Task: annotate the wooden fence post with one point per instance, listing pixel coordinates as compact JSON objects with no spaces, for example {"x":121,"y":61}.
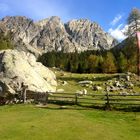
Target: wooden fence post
{"x":36,"y":98}
{"x":107,"y":104}
{"x":76,"y":98}
{"x":25,"y":94}
{"x":47,"y":97}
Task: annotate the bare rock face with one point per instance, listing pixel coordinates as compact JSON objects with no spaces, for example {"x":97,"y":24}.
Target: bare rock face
{"x":89,"y":35}
{"x":23,"y":31}
{"x":51,"y":34}
{"x":20,"y":67}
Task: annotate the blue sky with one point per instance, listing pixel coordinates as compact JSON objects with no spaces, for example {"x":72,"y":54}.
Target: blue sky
{"x":110,"y":14}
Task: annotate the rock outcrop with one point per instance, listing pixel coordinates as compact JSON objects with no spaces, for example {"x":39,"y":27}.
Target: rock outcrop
{"x":51,"y":34}
{"x":20,"y":67}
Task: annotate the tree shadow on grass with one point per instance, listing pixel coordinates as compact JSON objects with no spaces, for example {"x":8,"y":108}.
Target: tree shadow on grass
{"x":61,"y":105}
{"x":64,"y":107}
{"x":128,"y":109}
{"x":70,"y":106}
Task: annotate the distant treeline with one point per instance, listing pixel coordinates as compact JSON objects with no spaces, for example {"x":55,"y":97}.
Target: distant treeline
{"x":122,"y":58}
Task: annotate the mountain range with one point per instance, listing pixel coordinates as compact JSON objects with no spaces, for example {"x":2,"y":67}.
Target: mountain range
{"x":51,"y":34}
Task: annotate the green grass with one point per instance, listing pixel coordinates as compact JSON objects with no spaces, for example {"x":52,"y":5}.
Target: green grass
{"x":72,"y":79}
{"x":28,"y":122}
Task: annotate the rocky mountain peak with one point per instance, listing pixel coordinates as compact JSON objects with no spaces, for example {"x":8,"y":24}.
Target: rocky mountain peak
{"x":12,"y":22}
{"x":44,"y":22}
{"x":89,"y":34}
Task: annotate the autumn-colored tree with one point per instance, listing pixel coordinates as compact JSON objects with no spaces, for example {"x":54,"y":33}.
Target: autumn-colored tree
{"x":92,"y":63}
{"x":109,"y":64}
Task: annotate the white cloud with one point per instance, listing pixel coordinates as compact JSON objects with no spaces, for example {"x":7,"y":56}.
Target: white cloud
{"x":116,"y":19}
{"x":4,"y":7}
{"x":118,"y":32}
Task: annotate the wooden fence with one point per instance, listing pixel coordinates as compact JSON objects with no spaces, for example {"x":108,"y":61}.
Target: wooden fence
{"x":107,"y":100}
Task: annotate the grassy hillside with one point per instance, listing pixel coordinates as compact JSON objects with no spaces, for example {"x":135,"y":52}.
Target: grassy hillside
{"x":72,"y":80}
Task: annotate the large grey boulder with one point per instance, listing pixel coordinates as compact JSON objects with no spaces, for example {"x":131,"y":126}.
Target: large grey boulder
{"x":85,"y":82}
{"x":20,"y":67}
